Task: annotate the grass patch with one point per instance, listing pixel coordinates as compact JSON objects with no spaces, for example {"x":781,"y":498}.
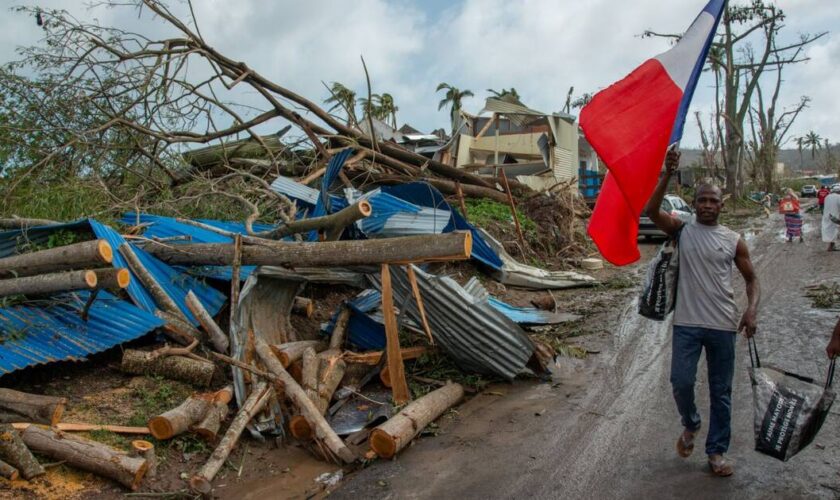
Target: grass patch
{"x":483,"y":212}
{"x":437,"y":367}
{"x":619,"y":282}
{"x":110,"y":438}
{"x":154,"y":397}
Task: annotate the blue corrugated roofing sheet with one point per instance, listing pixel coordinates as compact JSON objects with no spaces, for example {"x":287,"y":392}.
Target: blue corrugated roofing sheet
{"x":426,"y":195}
{"x":166,"y":227}
{"x":35,"y":335}
{"x":324,"y":205}
{"x":365,"y":329}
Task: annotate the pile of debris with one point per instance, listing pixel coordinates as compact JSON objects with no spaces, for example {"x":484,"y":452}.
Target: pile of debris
{"x":74,"y":289}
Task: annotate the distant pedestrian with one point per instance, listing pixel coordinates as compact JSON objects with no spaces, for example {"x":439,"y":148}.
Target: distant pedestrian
{"x":766,"y":203}
{"x":831,"y":218}
{"x":789,"y":206}
{"x":821,"y":194}
{"x":706,"y":315}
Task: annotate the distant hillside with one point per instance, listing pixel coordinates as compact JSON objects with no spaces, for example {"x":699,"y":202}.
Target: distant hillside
{"x":790,"y":157}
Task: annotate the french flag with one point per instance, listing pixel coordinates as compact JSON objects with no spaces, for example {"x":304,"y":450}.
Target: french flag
{"x":632,"y":123}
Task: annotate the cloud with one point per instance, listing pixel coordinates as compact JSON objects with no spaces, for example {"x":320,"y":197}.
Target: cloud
{"x":540,"y":47}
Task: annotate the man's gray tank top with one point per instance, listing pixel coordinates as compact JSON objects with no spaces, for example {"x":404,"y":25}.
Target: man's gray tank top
{"x":705,"y":297}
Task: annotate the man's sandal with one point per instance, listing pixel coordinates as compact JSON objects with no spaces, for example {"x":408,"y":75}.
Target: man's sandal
{"x":685,"y":445}
{"x":721,"y":467}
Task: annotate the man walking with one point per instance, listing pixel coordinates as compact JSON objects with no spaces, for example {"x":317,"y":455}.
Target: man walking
{"x":821,"y":194}
{"x":705,"y":315}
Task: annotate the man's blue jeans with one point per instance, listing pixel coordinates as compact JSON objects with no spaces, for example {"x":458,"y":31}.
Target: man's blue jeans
{"x":720,"y":358}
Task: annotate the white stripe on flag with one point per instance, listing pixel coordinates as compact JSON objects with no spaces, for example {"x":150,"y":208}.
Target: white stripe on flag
{"x":679,"y":62}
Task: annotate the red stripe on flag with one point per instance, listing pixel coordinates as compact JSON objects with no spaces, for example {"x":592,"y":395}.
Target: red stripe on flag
{"x":629,"y":125}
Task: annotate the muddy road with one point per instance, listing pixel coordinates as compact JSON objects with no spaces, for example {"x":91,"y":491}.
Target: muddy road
{"x":607,"y":426}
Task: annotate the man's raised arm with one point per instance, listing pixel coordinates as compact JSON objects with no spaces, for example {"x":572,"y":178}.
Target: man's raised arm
{"x":663,"y":220}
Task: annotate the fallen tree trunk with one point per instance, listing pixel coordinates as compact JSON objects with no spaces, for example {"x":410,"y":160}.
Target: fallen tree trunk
{"x":330,"y":372}
{"x":112,"y":278}
{"x":322,"y":430}
{"x":192,"y":371}
{"x":290,"y":352}
{"x":179,"y":419}
{"x":193,"y":411}
{"x":145,"y":450}
{"x":442,"y":185}
{"x":303,"y":306}
{"x":48,"y":283}
{"x":20,"y":223}
{"x":392,"y":436}
{"x":87,"y":455}
{"x":8,"y":471}
{"x":17,"y":454}
{"x":340,"y":330}
{"x":218,"y":338}
{"x":409,"y":249}
{"x":177,"y":329}
{"x":333,"y":225}
{"x":298,"y":424}
{"x":85,"y":255}
{"x":16,"y":406}
{"x":209,"y":426}
{"x":161,"y":298}
{"x":201,"y":482}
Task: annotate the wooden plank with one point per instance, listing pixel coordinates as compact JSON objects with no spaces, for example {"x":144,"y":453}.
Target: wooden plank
{"x":399,"y":389}
{"x":412,"y":278}
{"x":372,"y":357}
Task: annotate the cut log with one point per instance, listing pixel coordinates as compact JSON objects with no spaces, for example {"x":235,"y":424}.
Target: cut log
{"x":303,"y":306}
{"x":85,"y":255}
{"x":21,"y":223}
{"x":16,"y":406}
{"x":17,"y":454}
{"x":208,"y":428}
{"x":113,"y":278}
{"x":330,"y":372}
{"x":373,"y":357}
{"x":332,"y":225}
{"x":298,"y":425}
{"x":392,"y":436}
{"x":234,"y":281}
{"x":161,"y":298}
{"x":87,"y":455}
{"x":48,"y":283}
{"x":290,"y":352}
{"x":145,"y":450}
{"x":409,"y":249}
{"x":399,"y":386}
{"x":191,"y":412}
{"x":177,"y":329}
{"x":192,"y":371}
{"x":83,"y":427}
{"x":322,"y":430}
{"x":340,"y":330}
{"x":201,"y":482}
{"x":217,"y":337}
{"x":8,"y":471}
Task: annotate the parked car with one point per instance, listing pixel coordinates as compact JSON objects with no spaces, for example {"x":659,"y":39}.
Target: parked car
{"x":809,"y":191}
{"x":672,"y":204}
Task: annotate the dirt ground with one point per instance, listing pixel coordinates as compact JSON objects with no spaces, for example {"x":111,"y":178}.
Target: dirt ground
{"x":606,"y":427}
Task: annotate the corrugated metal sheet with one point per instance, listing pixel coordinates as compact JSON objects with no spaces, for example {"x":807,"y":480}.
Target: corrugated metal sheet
{"x":167,"y":227}
{"x":36,"y":335}
{"x":295,"y":190}
{"x":365,"y":329}
{"x":477,"y":336}
{"x":517,"y":274}
{"x":519,"y":315}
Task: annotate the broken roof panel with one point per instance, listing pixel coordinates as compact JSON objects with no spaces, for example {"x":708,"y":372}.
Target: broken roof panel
{"x":55,"y":331}
{"x":477,"y":336}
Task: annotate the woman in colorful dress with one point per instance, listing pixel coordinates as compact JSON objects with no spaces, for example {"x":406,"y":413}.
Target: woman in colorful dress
{"x":789,"y":205}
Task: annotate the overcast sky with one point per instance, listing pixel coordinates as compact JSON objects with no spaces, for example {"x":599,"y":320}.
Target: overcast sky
{"x":540,"y":47}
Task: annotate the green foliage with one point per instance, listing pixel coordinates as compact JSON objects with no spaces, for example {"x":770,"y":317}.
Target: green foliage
{"x":65,"y":199}
{"x":110,"y":438}
{"x":14,"y":334}
{"x":438,"y":367}
{"x":483,"y":211}
{"x":164,"y":396}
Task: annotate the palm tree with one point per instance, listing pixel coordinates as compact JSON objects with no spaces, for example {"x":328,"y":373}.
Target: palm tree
{"x":453,"y":97}
{"x":813,"y":141}
{"x":800,"y":143}
{"x":387,"y":109}
{"x":344,"y":98}
{"x":505,"y":92}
